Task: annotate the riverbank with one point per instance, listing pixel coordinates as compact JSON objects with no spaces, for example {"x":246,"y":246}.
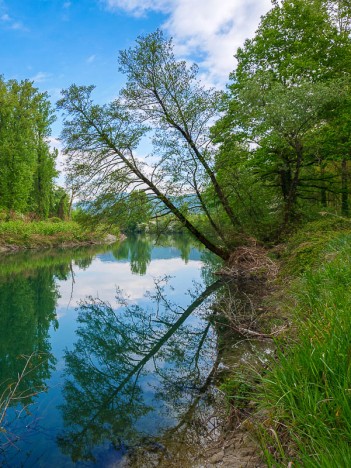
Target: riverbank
{"x":16,"y":235}
{"x":292,"y":395}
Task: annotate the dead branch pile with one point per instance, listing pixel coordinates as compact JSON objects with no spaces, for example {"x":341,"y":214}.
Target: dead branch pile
{"x":250,"y":261}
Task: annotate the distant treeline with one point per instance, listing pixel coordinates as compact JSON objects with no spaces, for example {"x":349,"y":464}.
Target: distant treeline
{"x":27,"y":165}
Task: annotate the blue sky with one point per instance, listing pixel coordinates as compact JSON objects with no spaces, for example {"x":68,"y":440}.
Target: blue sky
{"x":59,"y":42}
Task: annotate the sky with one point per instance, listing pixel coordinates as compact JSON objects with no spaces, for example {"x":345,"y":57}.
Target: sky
{"x":59,"y":42}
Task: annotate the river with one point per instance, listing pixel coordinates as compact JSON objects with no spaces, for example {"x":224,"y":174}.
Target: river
{"x":106,"y":353}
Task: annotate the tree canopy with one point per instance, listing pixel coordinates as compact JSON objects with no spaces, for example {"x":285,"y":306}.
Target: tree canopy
{"x":164,"y":99}
{"x":27,"y":165}
{"x":284,"y":103}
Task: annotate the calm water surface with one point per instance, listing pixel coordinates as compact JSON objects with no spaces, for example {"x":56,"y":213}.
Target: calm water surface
{"x":115,"y":347}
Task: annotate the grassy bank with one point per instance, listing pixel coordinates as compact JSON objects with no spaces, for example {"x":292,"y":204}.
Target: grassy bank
{"x":305,"y":396}
{"x":19,"y":234}
{"x":290,"y":377}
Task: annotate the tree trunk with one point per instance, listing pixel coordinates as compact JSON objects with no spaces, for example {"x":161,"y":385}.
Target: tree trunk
{"x":344,"y":189}
{"x":221,"y":252}
{"x":70,"y":204}
{"x":217,"y":188}
{"x":290,"y":202}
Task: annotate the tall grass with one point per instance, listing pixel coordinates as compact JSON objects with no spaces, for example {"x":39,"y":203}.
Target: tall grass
{"x":45,"y":233}
{"x":45,"y":228}
{"x":307,"y":394}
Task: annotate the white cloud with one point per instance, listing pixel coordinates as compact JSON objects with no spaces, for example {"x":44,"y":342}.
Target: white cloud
{"x":18,"y":26}
{"x":91,"y":59}
{"x":54,"y":143}
{"x":40,"y":77}
{"x":139,"y":7}
{"x":208,"y":31}
{"x":8,"y":21}
{"x":102,"y":278}
{"x":67,"y":5}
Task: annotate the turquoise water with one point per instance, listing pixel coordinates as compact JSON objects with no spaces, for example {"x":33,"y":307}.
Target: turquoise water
{"x":115,"y":346}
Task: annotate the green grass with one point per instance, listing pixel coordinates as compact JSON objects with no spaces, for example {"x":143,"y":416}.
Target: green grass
{"x":306,"y":395}
{"x":307,"y":247}
{"x":25,"y":234}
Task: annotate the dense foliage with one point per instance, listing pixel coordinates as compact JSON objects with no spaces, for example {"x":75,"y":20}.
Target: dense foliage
{"x":286,"y":122}
{"x":27,"y":165}
{"x":163,"y":99}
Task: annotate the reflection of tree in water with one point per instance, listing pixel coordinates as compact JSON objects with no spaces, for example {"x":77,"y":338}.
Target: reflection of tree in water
{"x":27,"y":310}
{"x":138,"y":249}
{"x":27,"y":305}
{"x":183,"y":242}
{"x":28,"y":297}
{"x":211,"y":263}
{"x":120,"y":356}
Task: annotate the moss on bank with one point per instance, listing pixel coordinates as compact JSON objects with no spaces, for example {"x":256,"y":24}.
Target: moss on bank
{"x":18,"y":234}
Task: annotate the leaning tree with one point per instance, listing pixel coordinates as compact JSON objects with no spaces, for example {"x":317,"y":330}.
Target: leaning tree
{"x":163,"y":100}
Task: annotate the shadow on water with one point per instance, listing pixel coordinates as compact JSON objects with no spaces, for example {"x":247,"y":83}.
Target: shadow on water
{"x":28,"y":298}
{"x":27,"y":306}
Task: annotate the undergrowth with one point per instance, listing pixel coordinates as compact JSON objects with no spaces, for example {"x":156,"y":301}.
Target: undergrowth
{"x":305,"y":396}
{"x":304,"y":250}
{"x":25,"y":234}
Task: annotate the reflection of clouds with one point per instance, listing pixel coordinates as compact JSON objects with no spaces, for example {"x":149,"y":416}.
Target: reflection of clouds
{"x":60,"y":314}
{"x":101,"y":279}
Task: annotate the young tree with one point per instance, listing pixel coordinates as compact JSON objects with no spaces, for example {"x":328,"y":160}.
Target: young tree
{"x":59,"y":203}
{"x":167,"y":94}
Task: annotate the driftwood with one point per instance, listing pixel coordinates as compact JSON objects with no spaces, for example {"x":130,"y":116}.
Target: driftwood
{"x":251,"y":333}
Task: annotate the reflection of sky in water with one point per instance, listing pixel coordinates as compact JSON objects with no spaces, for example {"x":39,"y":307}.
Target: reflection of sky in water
{"x":100,"y":279}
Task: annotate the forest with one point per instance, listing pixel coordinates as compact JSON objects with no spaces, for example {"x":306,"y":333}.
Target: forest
{"x":269,"y":153}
